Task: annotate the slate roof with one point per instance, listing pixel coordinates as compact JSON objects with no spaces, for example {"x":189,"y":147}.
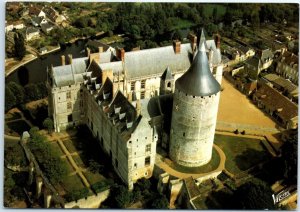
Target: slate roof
{"x":31,"y":30}
{"x":198,"y":79}
{"x":69,"y":74}
{"x":153,"y":61}
{"x":167,"y":75}
{"x":46,"y":26}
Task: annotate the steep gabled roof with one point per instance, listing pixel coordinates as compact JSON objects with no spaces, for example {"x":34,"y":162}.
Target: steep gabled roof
{"x":167,"y":75}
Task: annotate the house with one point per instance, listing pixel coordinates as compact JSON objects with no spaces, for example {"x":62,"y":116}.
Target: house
{"x":277,"y":106}
{"x":36,"y":10}
{"x":43,"y":50}
{"x":287,"y":66}
{"x":259,"y":62}
{"x":285,"y":86}
{"x":18,"y":25}
{"x":95,"y":45}
{"x":46,"y":28}
{"x":38,"y":21}
{"x":31,"y":33}
{"x":8,"y":27}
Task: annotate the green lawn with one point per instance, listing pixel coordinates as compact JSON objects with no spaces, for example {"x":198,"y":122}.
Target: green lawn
{"x":208,"y":9}
{"x":72,"y":183}
{"x":69,"y":166}
{"x":212,"y":165}
{"x":181,"y":23}
{"x":57,"y":148}
{"x":241,"y":153}
{"x":70,"y":146}
{"x":78,"y":160}
{"x":18,"y":126}
{"x":112,"y":39}
{"x":93,"y":178}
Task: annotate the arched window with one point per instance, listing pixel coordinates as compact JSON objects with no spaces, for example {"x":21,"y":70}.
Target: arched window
{"x":169,"y":85}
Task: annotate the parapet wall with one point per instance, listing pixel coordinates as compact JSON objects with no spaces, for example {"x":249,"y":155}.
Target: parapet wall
{"x":89,"y":202}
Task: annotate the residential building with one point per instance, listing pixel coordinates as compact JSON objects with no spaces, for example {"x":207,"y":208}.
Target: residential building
{"x":278,"y":106}
{"x":8,"y":26}
{"x":38,"y":21}
{"x":19,"y":25}
{"x":46,"y":28}
{"x":287,"y":66}
{"x":32,"y":33}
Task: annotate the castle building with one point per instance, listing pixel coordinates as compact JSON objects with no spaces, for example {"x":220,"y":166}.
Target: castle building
{"x":110,"y":93}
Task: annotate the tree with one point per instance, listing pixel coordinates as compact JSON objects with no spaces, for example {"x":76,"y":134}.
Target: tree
{"x":289,"y":154}
{"x":160,"y":202}
{"x":20,"y":49}
{"x":215,"y":15}
{"x":123,"y":197}
{"x":18,"y":92}
{"x":48,"y":123}
{"x":32,"y":92}
{"x":10,"y":99}
{"x":254,"y":194}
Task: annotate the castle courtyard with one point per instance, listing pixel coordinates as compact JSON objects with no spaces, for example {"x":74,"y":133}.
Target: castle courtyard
{"x":235,"y":107}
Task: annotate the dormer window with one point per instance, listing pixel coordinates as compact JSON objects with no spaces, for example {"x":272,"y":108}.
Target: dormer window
{"x":106,"y":95}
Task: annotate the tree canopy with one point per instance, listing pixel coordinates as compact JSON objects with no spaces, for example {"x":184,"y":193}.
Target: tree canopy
{"x":254,"y":194}
{"x":289,"y":154}
{"x":20,"y":49}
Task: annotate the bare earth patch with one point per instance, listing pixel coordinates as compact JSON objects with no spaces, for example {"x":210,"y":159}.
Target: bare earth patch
{"x":235,"y":107}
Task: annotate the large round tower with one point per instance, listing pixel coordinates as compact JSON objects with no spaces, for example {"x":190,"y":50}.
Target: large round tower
{"x":194,"y":115}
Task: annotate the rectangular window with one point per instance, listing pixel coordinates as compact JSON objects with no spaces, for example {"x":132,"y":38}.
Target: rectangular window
{"x":69,"y":105}
{"x":148,"y":148}
{"x":142,"y":94}
{"x":70,"y":118}
{"x":147,"y":161}
{"x":132,"y":86}
{"x":69,"y":95}
{"x":143,"y":84}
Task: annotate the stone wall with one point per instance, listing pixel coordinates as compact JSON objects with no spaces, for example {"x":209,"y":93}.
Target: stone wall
{"x":89,"y":202}
{"x":192,"y":128}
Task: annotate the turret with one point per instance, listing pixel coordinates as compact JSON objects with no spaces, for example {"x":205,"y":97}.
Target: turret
{"x":195,"y":107}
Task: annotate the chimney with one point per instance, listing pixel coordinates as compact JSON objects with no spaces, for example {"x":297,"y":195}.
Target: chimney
{"x":88,"y":51}
{"x":129,"y":96}
{"x":176,"y":46}
{"x":193,"y":40}
{"x":63,"y":60}
{"x":138,"y":107}
{"x":121,"y":54}
{"x":70,"y":58}
{"x":218,"y":41}
{"x":100,"y":48}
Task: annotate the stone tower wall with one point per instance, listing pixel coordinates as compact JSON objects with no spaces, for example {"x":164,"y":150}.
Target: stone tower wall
{"x":193,"y":128}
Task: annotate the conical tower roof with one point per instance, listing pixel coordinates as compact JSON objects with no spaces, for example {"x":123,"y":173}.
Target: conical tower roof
{"x":198,"y":79}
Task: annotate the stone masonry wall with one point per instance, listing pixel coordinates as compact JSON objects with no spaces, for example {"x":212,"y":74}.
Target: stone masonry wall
{"x":192,"y":128}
